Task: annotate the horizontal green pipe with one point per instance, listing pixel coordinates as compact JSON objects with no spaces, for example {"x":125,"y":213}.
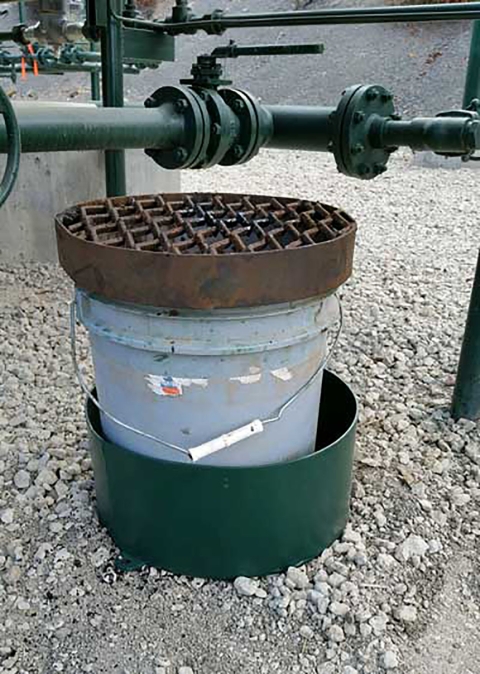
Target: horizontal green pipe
{"x":56,"y":128}
{"x":438,"y":134}
{"x":6,"y":35}
{"x":300,"y":127}
{"x":355,"y":15}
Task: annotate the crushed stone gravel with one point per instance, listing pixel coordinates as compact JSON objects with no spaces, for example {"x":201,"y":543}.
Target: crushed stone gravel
{"x":372,"y":602}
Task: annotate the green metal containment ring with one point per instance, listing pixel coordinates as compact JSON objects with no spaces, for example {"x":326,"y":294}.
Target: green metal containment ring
{"x":223,"y":522}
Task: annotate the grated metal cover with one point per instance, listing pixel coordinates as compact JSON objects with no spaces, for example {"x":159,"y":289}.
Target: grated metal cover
{"x":206,"y":251}
{"x":206,"y":224}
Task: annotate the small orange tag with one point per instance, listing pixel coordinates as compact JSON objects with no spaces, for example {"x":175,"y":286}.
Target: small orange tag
{"x":23,"y":66}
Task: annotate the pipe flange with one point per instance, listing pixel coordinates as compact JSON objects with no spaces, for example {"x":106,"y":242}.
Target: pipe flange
{"x":224,"y":128}
{"x":193,"y":109}
{"x":248,"y":141}
{"x":354,"y":153}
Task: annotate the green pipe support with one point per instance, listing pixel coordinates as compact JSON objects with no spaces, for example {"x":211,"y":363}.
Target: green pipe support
{"x":49,"y":127}
{"x":94,"y":80}
{"x":21,"y":11}
{"x":466,"y":396}
{"x":112,"y":94}
{"x":472,"y":82}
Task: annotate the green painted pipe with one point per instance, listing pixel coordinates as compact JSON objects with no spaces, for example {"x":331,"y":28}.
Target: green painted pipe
{"x":218,"y":22}
{"x":12,"y":133}
{"x":300,"y":127}
{"x":112,"y":94}
{"x":57,"y":127}
{"x":472,"y":82}
{"x":439,"y":134}
{"x":293,"y":127}
{"x":466,"y":396}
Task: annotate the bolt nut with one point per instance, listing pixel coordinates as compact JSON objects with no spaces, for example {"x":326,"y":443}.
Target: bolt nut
{"x":386,"y":97}
{"x":181,"y":105}
{"x":237,"y":151}
{"x":238,"y":105}
{"x":371,"y":94}
{"x":358,"y":117}
{"x":216,"y":129}
{"x":396,"y":117}
{"x":180,"y":154}
{"x":363,"y":170}
{"x":357,"y":149}
{"x":379,"y":168}
{"x":150,"y":102}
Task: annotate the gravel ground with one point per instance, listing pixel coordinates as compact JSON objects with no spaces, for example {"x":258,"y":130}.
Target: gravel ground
{"x":399,"y":593}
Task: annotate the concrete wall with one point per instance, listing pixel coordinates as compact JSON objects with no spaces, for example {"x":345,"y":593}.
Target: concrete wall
{"x":48,"y":183}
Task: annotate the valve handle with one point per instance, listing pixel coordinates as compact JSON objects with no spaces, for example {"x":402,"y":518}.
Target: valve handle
{"x":14,"y":146}
{"x":207,"y":72}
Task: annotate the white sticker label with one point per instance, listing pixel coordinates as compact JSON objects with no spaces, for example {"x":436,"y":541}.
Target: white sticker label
{"x":252,"y":378}
{"x":282,"y":373}
{"x":172,"y":387}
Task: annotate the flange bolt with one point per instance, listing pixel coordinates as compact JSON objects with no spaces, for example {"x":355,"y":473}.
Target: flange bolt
{"x":237,"y":151}
{"x":238,"y":105}
{"x":363,"y":170}
{"x":379,"y":168}
{"x":358,"y":117}
{"x":181,"y":105}
{"x":180,"y":154}
{"x":371,"y":94}
{"x":357,"y":149}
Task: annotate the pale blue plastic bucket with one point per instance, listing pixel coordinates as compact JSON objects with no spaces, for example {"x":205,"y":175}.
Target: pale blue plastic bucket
{"x":186,"y":377}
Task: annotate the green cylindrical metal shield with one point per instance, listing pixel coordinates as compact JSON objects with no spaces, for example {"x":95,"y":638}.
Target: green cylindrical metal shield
{"x":223,"y":522}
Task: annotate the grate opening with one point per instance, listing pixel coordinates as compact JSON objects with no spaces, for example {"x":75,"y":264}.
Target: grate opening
{"x":206,"y":224}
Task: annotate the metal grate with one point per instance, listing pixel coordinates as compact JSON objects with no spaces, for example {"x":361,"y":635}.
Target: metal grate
{"x":197,"y":224}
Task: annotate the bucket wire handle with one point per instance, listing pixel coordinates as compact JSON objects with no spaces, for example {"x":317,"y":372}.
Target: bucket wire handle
{"x":218,"y":443}
{"x":91,"y":397}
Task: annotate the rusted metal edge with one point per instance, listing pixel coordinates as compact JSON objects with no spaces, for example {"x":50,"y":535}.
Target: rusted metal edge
{"x":206,"y":281}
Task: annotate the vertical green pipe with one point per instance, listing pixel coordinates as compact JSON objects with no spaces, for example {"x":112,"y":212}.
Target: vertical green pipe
{"x":466,"y":395}
{"x":472,"y":82}
{"x":21,"y":11}
{"x":112,"y":93}
{"x":94,"y":79}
